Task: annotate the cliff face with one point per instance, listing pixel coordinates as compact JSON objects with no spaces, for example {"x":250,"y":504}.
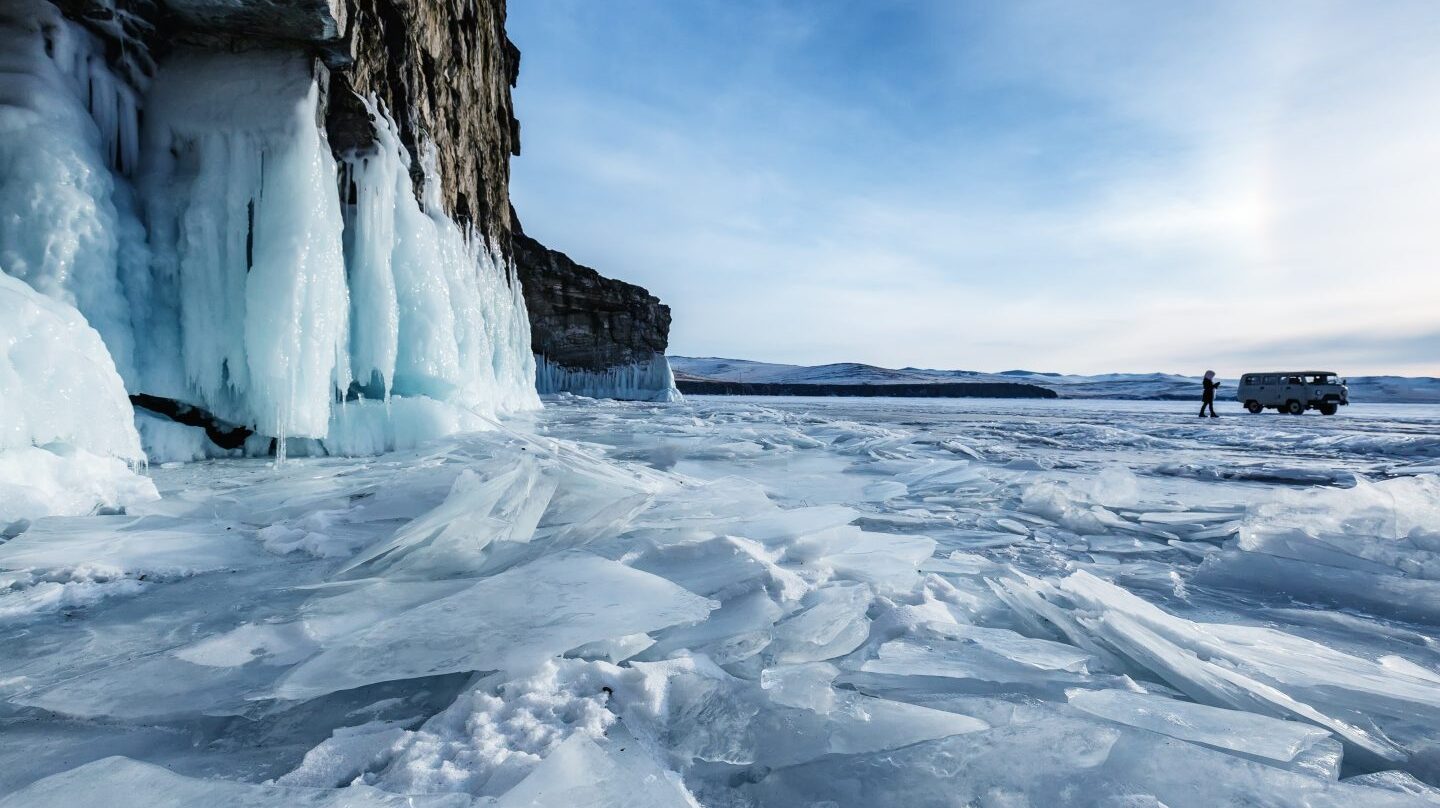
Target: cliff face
{"x":442,"y":69}
{"x":582,"y":320}
{"x":592,"y":335}
{"x":438,"y":74}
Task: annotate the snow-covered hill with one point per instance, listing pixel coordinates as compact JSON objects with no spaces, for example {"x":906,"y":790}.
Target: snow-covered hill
{"x":1389,"y":389}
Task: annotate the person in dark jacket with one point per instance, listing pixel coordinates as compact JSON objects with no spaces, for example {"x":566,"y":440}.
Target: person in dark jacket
{"x":1208,"y":400}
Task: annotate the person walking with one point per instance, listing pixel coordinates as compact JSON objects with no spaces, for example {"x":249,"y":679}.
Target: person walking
{"x":1208,"y":398}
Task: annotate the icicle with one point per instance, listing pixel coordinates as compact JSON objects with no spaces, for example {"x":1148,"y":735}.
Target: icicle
{"x":650,"y":380}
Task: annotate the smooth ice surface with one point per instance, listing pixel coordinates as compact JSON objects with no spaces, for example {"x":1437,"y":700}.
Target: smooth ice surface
{"x":739,"y":602}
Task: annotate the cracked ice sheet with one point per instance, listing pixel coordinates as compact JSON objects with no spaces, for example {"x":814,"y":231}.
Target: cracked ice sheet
{"x":747,"y":700}
{"x":119,"y":782}
{"x":513,"y":620}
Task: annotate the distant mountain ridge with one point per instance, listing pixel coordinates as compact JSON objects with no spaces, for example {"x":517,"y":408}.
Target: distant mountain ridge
{"x":1136,"y":386}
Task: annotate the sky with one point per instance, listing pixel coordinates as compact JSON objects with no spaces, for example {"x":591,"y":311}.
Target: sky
{"x":1083,"y":187}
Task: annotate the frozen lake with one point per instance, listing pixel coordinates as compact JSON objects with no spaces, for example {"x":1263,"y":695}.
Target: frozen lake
{"x":754,"y":601}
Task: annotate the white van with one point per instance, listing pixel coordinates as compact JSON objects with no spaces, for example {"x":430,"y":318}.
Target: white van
{"x":1293,"y":391}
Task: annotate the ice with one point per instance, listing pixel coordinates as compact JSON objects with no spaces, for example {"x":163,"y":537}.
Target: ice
{"x":436,"y":313}
{"x":954,"y":660}
{"x":647,"y":380}
{"x":154,"y":546}
{"x":60,"y":480}
{"x":1399,"y":782}
{"x":722,"y":568}
{"x":122,"y":783}
{"x":885,"y":560}
{"x":65,"y":122}
{"x":831,"y":624}
{"x":538,"y":611}
{"x":1054,"y":762}
{"x":579,"y":772}
{"x":806,"y":685}
{"x":261,"y":320}
{"x":213,"y":249}
{"x":1017,"y":647}
{"x":452,"y":538}
{"x":1239,"y":731}
{"x":57,"y":381}
{"x":492,"y":625}
{"x":736,"y":631}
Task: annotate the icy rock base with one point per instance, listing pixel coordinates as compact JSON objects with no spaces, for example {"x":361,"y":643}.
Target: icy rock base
{"x":651,"y":380}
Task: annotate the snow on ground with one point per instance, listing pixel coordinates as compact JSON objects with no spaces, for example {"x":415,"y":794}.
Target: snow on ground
{"x":767,"y":602}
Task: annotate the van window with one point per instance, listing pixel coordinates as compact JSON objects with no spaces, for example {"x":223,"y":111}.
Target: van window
{"x":1249,"y":379}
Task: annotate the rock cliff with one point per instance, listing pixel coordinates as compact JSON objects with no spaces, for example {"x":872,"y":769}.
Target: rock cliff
{"x":592,"y":335}
{"x":438,"y":75}
{"x":442,"y":69}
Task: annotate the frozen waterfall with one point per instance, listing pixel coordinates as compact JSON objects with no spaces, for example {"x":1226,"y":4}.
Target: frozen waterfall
{"x":228,"y":260}
{"x":648,"y":380}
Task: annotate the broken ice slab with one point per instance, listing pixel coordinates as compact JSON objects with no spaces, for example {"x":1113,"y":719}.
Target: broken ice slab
{"x":451,"y":538}
{"x":780,"y":526}
{"x":705,"y":714}
{"x":832,"y":623}
{"x":494,"y":624}
{"x":979,"y":539}
{"x":1398,"y":782}
{"x":1223,"y":729}
{"x":1057,"y":762}
{"x":1042,"y":654}
{"x":960,"y":563}
{"x":886,"y":560}
{"x":722,"y":568}
{"x":615,"y":650}
{"x":806,"y":686}
{"x":581,"y":773}
{"x":951,"y":659}
{"x":1123,"y":545}
{"x":1186,"y":517}
{"x":113,"y":546}
{"x":1351,"y":551}
{"x":737,"y":630}
{"x":1388,"y":595}
{"x":118,"y":782}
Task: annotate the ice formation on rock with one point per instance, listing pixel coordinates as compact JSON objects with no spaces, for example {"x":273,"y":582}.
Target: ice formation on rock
{"x":649,"y":380}
{"x":67,"y":439}
{"x":228,"y":263}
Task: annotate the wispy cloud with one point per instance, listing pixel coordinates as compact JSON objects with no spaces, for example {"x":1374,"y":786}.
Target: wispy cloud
{"x":1079,"y":187}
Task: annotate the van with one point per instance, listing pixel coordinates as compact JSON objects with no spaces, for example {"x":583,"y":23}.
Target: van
{"x":1293,"y":391}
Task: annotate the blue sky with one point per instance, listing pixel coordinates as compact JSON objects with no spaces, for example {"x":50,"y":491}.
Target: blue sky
{"x":1072,"y":186}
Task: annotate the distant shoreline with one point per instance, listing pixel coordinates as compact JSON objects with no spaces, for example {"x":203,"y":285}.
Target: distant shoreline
{"x":939,"y":390}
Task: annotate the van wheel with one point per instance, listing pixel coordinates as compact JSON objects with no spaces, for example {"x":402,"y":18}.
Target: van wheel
{"x":1329,"y":409}
{"x":1254,"y":406}
{"x":1294,"y":407}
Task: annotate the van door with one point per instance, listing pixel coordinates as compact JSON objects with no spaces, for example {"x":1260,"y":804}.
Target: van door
{"x":1265,"y":390}
{"x":1294,"y":388}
